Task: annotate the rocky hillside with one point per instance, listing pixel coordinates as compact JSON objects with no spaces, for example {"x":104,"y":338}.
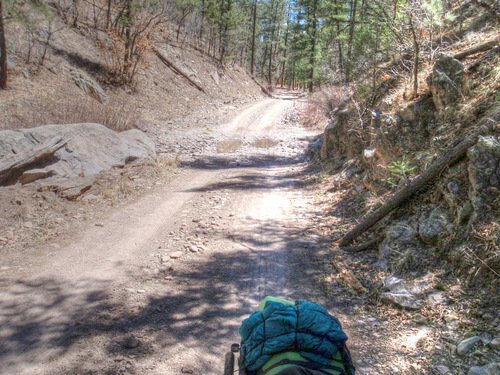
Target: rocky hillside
{"x":444,"y":228}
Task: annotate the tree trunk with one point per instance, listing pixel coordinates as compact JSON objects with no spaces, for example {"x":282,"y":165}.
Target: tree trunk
{"x":341,"y":63}
{"x":3,"y":51}
{"x":270,"y":64}
{"x":352,"y":24}
{"x":416,"y":52}
{"x":283,"y":66}
{"x":252,"y":63}
{"x":108,"y":15}
{"x":312,"y":50}
{"x":128,"y":39}
{"x":264,"y":59}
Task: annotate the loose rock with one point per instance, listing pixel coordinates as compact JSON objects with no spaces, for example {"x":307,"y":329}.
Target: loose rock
{"x":490,"y":369}
{"x":434,"y":227}
{"x":494,"y":344}
{"x":404,"y":300}
{"x":176,"y":254}
{"x":446,"y":81}
{"x":466,"y":345}
{"x":131,"y":342}
{"x":442,"y":369}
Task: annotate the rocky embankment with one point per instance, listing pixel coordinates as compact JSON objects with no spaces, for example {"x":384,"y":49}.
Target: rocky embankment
{"x":436,"y":256}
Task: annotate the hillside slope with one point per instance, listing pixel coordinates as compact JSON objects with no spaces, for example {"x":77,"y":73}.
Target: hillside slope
{"x":72,"y":84}
{"x":445,"y":234}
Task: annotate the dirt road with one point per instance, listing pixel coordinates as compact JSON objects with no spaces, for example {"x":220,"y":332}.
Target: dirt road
{"x":161,"y":285}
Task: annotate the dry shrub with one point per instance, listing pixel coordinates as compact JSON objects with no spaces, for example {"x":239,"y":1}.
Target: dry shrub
{"x":333,"y":97}
{"x":321,"y":107}
{"x":313,"y":116}
{"x":117,"y":114}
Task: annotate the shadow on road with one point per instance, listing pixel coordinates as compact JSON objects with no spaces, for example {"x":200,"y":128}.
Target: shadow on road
{"x":198,"y":311}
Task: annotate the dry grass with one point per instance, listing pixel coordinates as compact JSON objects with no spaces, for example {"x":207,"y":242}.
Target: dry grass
{"x":485,"y":256}
{"x":116,"y":114}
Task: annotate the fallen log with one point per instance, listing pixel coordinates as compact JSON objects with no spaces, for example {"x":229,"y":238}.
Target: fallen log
{"x":12,"y":163}
{"x":486,"y":56}
{"x":172,"y":66}
{"x":361,"y":247}
{"x":262,"y":88}
{"x":480,"y":48}
{"x":410,"y":189}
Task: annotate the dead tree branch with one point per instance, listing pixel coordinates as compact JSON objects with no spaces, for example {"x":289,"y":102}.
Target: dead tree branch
{"x":175,"y":69}
{"x":410,"y":189}
{"x":348,"y":276}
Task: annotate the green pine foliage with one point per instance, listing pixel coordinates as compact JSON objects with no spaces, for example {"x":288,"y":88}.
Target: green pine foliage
{"x":297,"y":43}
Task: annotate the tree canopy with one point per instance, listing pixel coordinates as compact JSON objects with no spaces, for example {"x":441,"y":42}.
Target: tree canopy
{"x":306,"y":43}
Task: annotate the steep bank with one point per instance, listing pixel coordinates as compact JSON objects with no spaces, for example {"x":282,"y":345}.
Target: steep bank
{"x":433,"y":258}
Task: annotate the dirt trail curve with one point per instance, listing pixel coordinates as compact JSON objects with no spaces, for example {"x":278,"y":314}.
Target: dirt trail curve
{"x":161,"y":286}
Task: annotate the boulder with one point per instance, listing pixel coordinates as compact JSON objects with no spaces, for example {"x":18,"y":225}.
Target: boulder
{"x":350,"y":169}
{"x":403,"y":300}
{"x":484,"y":171}
{"x":466,"y":345}
{"x":437,"y":298}
{"x":382,"y":149}
{"x":446,"y":81}
{"x":490,"y":369}
{"x":335,"y":135}
{"x":435,"y":227}
{"x":415,"y":122}
{"x":215,"y":76}
{"x":399,"y":238}
{"x":398,"y":294}
{"x":442,"y":369}
{"x":454,"y":192}
{"x":89,"y":85}
{"x":408,"y":294}
{"x":391,"y":136}
{"x":422,"y":285}
{"x":91,"y":149}
{"x":33,"y":175}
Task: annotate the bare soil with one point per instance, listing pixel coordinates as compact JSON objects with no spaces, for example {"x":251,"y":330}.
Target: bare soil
{"x":161,"y":282}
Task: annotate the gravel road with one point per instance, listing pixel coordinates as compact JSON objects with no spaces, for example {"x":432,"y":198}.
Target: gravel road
{"x":161,"y":285}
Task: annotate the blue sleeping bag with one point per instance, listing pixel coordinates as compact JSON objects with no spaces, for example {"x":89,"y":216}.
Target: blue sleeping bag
{"x":305,"y":327}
